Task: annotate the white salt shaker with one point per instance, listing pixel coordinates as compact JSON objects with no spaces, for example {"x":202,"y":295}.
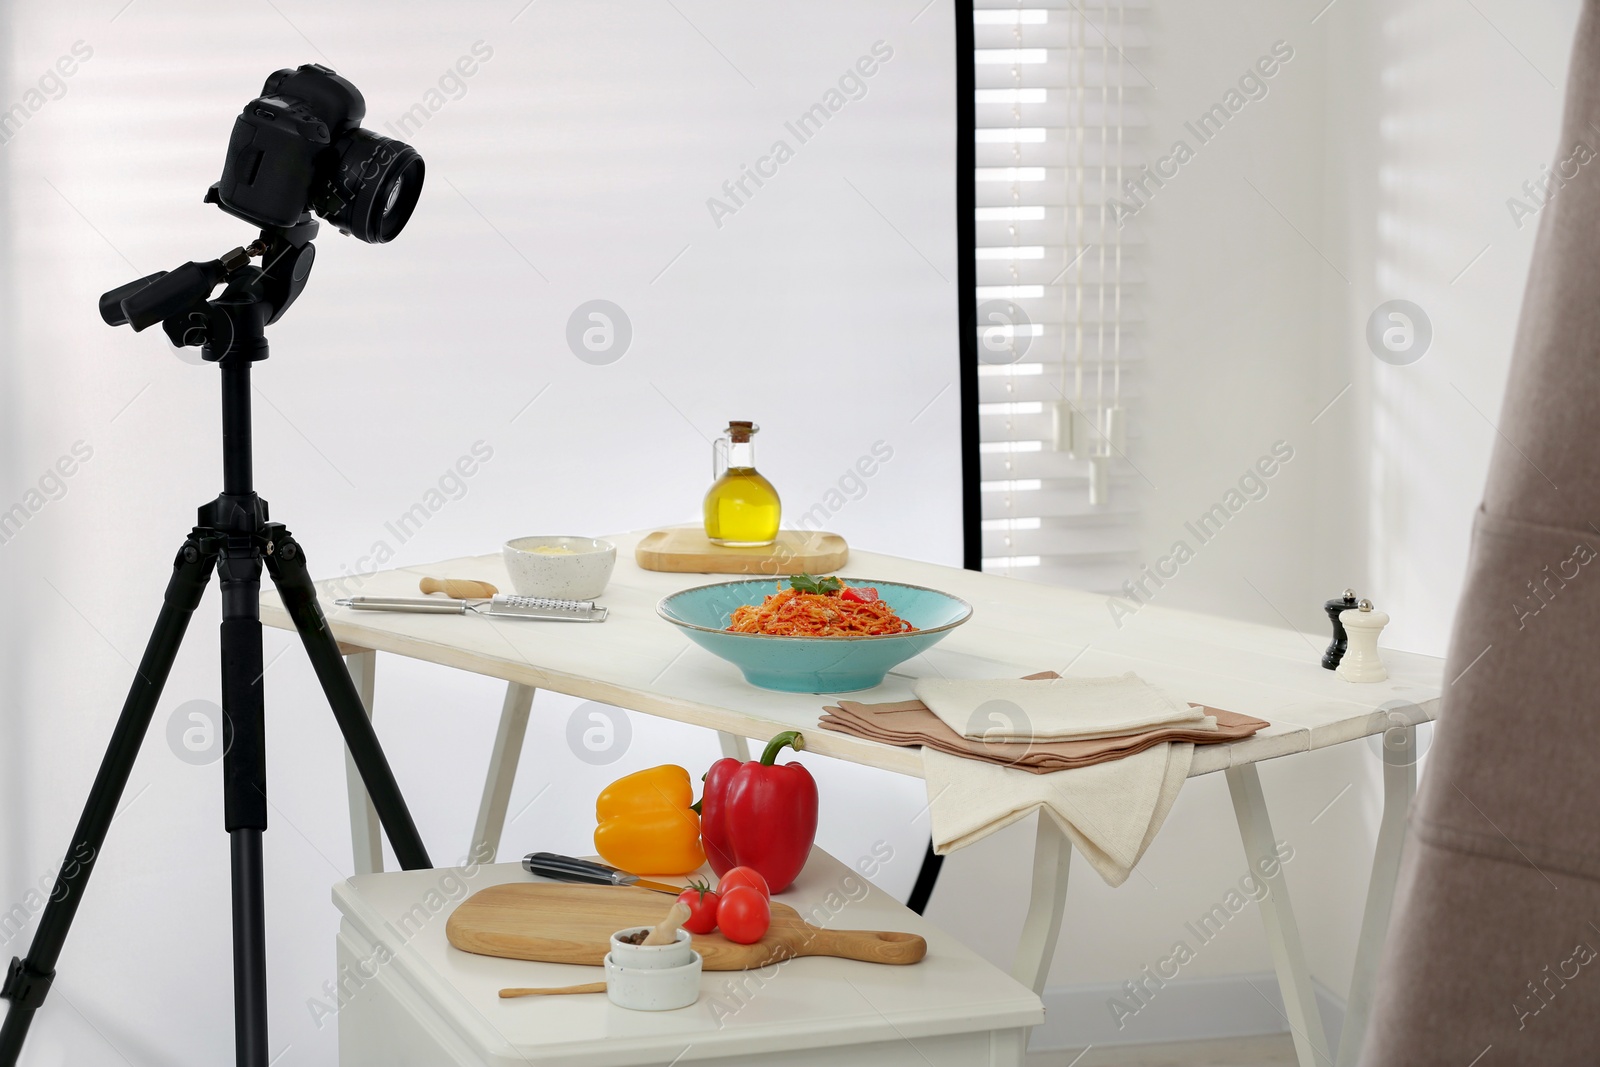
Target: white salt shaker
{"x":1361,"y":662}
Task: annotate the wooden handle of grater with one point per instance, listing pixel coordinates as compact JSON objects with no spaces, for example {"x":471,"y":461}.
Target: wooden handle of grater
{"x":460,"y":588}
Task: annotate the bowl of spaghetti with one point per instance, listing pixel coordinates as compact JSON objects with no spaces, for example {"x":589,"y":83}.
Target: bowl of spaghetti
{"x":814,"y":635}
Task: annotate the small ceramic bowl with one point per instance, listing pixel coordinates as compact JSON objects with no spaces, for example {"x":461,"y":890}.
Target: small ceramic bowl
{"x":657,"y":989}
{"x":568,"y":568}
{"x":651,"y":957}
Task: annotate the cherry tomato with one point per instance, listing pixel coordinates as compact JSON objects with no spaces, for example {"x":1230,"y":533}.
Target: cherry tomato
{"x":744,"y":915}
{"x":861,"y":594}
{"x":702,"y":901}
{"x":744,"y":876}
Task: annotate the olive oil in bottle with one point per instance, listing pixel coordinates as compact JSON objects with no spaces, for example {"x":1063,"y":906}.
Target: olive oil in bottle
{"x":741,"y":508}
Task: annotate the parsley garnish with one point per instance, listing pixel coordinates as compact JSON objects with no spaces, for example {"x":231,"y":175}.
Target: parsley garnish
{"x":806,"y":583}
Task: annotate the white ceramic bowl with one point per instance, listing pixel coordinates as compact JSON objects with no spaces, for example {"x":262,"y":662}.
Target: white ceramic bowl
{"x":578,"y":573}
{"x":661,"y":989}
{"x":651,"y":957}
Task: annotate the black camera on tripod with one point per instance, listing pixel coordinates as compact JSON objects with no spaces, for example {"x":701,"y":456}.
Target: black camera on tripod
{"x":300,"y":144}
{"x":297,"y":148}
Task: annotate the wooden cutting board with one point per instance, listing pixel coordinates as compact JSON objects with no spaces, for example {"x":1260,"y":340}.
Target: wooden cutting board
{"x":555,"y":923}
{"x":687,"y":549}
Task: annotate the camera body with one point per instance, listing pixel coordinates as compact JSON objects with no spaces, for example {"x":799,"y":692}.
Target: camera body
{"x":300,"y":147}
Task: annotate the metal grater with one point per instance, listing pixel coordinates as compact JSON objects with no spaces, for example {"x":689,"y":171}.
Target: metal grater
{"x":504,"y":606}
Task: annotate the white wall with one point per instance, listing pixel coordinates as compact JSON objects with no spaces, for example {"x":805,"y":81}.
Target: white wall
{"x":1384,"y":152}
{"x":576,"y":165}
{"x":1426,"y":158}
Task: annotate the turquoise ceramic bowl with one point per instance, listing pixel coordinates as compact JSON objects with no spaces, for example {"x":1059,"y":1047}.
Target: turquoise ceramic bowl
{"x":812,"y":664}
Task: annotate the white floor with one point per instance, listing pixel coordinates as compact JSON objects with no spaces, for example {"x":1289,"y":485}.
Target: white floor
{"x":1276,"y":1050}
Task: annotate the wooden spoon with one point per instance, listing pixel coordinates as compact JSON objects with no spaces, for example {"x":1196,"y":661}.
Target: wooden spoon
{"x":551,"y":991}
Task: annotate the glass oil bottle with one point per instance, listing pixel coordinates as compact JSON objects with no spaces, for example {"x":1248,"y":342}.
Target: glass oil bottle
{"x":741,"y":508}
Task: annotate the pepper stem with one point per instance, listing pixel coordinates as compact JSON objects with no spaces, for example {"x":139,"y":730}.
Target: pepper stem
{"x":789,"y":738}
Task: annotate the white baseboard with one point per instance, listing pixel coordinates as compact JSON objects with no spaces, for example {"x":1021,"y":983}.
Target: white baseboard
{"x":1192,"y":1009}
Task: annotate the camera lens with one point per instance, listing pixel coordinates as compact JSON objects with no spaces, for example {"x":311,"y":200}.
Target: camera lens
{"x":375,"y":187}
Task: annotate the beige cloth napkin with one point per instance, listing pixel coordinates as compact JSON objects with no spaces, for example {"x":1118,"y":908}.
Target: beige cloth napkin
{"x":1110,"y":811}
{"x":909,"y":724}
{"x":1052,"y":709}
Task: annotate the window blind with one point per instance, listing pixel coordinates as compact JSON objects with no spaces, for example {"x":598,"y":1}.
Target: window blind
{"x":1057,"y":111}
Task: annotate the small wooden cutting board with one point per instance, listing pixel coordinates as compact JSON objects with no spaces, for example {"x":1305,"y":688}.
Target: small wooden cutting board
{"x":555,"y":923}
{"x":687,"y":550}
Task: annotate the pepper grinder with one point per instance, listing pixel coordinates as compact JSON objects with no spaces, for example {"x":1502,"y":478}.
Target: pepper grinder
{"x":1335,"y":652}
{"x":1361,"y":662}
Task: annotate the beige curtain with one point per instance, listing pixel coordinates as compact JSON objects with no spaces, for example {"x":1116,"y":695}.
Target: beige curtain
{"x":1494,"y":951}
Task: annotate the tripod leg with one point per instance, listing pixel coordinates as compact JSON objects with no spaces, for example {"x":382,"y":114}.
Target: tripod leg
{"x":244,"y":784}
{"x":249,"y":949}
{"x":287,"y":565}
{"x":28,"y":980}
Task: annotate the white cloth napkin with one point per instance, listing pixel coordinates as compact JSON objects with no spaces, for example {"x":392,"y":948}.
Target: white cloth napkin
{"x":1110,"y":811}
{"x":1052,"y":709}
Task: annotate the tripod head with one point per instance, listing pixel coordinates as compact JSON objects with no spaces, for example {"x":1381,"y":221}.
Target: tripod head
{"x":232,"y":324}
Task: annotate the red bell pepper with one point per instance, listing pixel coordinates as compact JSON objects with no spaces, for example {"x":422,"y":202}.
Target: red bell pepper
{"x":760,"y":815}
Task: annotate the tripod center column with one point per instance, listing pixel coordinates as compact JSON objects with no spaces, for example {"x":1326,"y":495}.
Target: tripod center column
{"x":238,"y":477}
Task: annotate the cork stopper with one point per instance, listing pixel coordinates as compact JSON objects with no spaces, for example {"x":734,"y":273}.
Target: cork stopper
{"x":740,"y":432}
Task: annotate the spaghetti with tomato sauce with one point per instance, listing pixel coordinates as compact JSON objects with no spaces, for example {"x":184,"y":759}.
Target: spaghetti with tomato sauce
{"x":824,"y":607}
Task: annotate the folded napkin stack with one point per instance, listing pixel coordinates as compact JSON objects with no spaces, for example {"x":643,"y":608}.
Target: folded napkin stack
{"x":912,"y":724}
{"x":989,"y":747}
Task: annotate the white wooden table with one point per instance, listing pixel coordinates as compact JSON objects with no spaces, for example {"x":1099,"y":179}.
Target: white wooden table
{"x":416,"y":1000}
{"x":636,"y":661}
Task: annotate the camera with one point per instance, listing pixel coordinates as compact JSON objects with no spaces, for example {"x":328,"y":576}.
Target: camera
{"x":300,"y":147}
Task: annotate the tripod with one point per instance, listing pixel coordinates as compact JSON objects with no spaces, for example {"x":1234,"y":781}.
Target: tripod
{"x":233,"y":538}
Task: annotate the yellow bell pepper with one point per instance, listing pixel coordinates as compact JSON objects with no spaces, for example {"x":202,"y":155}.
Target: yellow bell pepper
{"x":647,"y":825}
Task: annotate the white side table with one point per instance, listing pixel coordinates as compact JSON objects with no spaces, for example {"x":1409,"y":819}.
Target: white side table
{"x":409,"y":998}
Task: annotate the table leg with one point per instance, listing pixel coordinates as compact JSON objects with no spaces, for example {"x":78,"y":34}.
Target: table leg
{"x":502,"y":772}
{"x":1008,"y":1048}
{"x":366,"y":835}
{"x":1399,"y":785}
{"x":1283,"y":936}
{"x":735,"y":746}
{"x":1052,"y":855}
